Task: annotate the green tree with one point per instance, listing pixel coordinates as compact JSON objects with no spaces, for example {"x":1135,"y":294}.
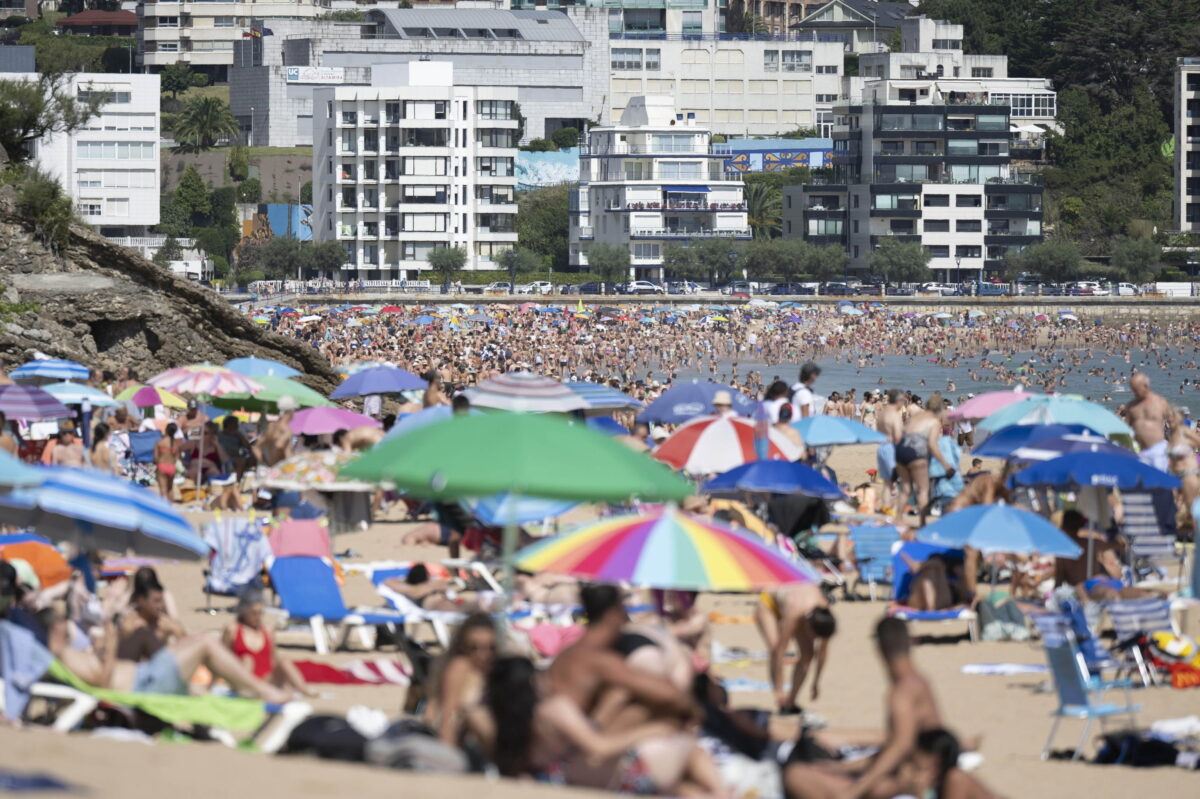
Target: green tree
{"x":33,"y":109}
{"x":169,"y":251}
{"x":250,"y":191}
{"x":1055,"y":260}
{"x":520,"y":118}
{"x":118,"y":59}
{"x":306,"y":192}
{"x":827,"y":263}
{"x":763,"y":208}
{"x":179,"y":77}
{"x":447,"y":262}
{"x":540,"y":146}
{"x":43,"y":203}
{"x":679,"y":261}
{"x":543,"y":224}
{"x":1137,"y":260}
{"x":190,"y":200}
{"x":717,"y":259}
{"x":564,"y":138}
{"x":323,"y":257}
{"x":202,"y":122}
{"x":609,"y":262}
{"x":900,"y":262}
{"x":239,"y":163}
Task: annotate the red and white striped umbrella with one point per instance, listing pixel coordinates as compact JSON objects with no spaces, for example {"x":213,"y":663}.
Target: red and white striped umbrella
{"x":716,"y":444}
{"x":525,"y":392}
{"x":205,"y":378}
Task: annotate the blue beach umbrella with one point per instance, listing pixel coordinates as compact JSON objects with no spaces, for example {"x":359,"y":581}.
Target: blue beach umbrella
{"x":261,"y":367}
{"x":76,"y":394}
{"x":1082,"y":469}
{"x":49,"y":369}
{"x":775,"y":477}
{"x":826,"y":431}
{"x":15,"y":473}
{"x":607,"y":425}
{"x":378,"y":380}
{"x":1057,"y":409}
{"x":601,"y":397}
{"x":999,"y":528}
{"x":1050,"y":448}
{"x":1002,"y":443}
{"x":102,"y":512}
{"x":684,"y":401}
{"x":502,"y":509}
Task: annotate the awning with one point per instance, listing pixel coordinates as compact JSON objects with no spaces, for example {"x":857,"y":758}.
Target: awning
{"x":687,"y":189}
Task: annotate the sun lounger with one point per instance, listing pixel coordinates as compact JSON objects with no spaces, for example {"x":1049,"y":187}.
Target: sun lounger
{"x":902,"y":579}
{"x":75,"y":705}
{"x":308,"y":592}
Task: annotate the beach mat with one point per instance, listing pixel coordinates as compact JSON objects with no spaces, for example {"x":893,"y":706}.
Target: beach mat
{"x":17,"y":782}
{"x":360,"y":672}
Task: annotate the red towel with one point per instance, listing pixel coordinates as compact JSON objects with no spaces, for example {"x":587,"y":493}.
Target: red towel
{"x":360,"y":672}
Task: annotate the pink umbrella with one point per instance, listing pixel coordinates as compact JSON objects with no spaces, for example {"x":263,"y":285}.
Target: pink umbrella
{"x":316,"y":421}
{"x":205,"y":378}
{"x":985,"y":405}
{"x":715,"y":444}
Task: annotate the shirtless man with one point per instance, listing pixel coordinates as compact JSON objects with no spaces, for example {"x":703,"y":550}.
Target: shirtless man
{"x":890,"y":422}
{"x":193,"y":421}
{"x":148,"y":627}
{"x":1147,"y":415}
{"x":911,"y":710}
{"x":1105,"y":583}
{"x":69,"y":451}
{"x":800,"y":614}
{"x":276,"y":444}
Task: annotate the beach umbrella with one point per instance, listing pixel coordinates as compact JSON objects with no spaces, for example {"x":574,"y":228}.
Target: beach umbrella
{"x":607,"y":425}
{"x":827,"y":431}
{"x":1081,"y":469}
{"x":715,"y":444}
{"x":774,"y":477}
{"x":975,"y":313}
{"x":423,"y":418}
{"x":986,"y":404}
{"x":31,"y":404}
{"x":205,"y":378}
{"x":668,"y":549}
{"x":506,"y":508}
{"x":1050,"y":448}
{"x":49,"y":370}
{"x":849,"y":310}
{"x":99,"y":511}
{"x":1004,"y":441}
{"x":1060,"y":409}
{"x":600,"y":397}
{"x":528,"y":454}
{"x":46,"y":562}
{"x":13,"y":472}
{"x":76,"y":394}
{"x":391,"y":309}
{"x":426,"y":319}
{"x":274,"y":389}
{"x":261,"y":367}
{"x":318,"y":421}
{"x":683,"y":401}
{"x":525,"y":392}
{"x":999,"y":528}
{"x":148,"y":396}
{"x":310,"y":318}
{"x":378,"y":380}
{"x":312,"y":470}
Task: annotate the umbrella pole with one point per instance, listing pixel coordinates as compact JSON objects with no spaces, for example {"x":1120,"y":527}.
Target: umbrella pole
{"x":510,"y":552}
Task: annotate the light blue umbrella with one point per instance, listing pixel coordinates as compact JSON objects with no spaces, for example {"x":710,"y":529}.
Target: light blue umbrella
{"x":827,"y":431}
{"x":15,"y":473}
{"x":261,"y":367}
{"x":999,"y":528}
{"x":48,"y":369}
{"x":378,"y":380}
{"x":101,"y":512}
{"x":601,"y":397}
{"x":1057,"y":409}
{"x":501,"y":509}
{"x":422,"y":418}
{"x":75,"y":394}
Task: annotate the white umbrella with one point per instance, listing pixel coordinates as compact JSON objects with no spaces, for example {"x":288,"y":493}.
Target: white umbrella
{"x":525,"y":392}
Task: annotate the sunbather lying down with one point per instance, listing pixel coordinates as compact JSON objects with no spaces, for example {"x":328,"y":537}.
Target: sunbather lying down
{"x":430,"y":593}
{"x":167,"y":672}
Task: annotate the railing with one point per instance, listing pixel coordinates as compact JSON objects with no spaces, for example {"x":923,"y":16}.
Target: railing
{"x":585,"y":232}
{"x":678,"y":206}
{"x":713,"y":37}
{"x":151,"y":242}
{"x":680,"y":233}
{"x":638,"y":149}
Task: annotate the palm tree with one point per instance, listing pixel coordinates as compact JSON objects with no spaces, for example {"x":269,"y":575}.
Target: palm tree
{"x":202,"y":122}
{"x":763,"y":207}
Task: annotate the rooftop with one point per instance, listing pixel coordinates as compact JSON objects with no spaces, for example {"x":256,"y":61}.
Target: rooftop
{"x":474,"y":23}
{"x":87,"y":19}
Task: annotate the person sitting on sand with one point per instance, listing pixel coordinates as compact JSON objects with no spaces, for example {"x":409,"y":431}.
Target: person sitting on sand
{"x":146,"y":626}
{"x":1105,"y":583}
{"x":250,"y":641}
{"x":460,"y":675}
{"x":911,"y":710}
{"x":795,"y":614}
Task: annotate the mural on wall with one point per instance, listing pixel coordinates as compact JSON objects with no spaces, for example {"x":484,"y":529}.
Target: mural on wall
{"x":535,"y":170}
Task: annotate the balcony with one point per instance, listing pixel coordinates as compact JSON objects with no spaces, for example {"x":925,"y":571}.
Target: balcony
{"x":690,"y":233}
{"x":586,"y":233}
{"x":696,"y":207}
{"x":722,"y":150}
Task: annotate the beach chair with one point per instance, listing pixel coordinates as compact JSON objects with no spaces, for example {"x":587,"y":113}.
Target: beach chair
{"x":1077,"y":697}
{"x":69,"y":706}
{"x":308,"y":592}
{"x":1057,"y":629}
{"x":873,"y":553}
{"x":902,"y":580}
{"x":1152,"y":547}
{"x":240,"y":551}
{"x":1132,"y":619}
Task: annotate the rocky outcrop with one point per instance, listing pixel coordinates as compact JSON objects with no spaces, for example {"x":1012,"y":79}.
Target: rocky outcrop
{"x":107,"y":307}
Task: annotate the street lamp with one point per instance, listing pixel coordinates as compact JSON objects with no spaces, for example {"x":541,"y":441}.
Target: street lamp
{"x":732,"y":256}
{"x":958,"y":268}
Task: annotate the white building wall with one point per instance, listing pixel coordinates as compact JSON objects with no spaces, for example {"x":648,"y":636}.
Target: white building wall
{"x":203,"y":34}
{"x":110,"y":168}
{"x":1187,"y":145}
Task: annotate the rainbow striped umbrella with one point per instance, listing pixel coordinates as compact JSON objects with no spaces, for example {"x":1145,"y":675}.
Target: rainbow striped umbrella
{"x":149,"y":396}
{"x":205,"y":378}
{"x":665,"y":549}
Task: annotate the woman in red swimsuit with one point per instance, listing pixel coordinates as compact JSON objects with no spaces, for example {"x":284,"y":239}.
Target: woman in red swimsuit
{"x":251,"y":643}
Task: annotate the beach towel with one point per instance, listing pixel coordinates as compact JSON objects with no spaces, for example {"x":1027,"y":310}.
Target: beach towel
{"x":227,"y":713}
{"x":18,"y":782}
{"x":550,"y":639}
{"x":359,"y":672}
{"x":23,"y":661}
{"x":1003,"y":669}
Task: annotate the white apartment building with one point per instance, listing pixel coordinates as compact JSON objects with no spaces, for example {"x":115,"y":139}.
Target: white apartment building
{"x":653,"y":178}
{"x":110,"y":167}
{"x":1187,"y":145}
{"x":202,"y":32}
{"x":405,"y":168}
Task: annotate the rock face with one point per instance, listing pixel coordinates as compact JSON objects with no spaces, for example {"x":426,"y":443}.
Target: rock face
{"x":107,"y":307}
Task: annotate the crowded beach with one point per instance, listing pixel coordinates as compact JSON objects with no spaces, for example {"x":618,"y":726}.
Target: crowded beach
{"x":766,"y":550}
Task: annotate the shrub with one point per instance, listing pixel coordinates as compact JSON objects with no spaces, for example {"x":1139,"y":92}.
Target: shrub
{"x":250,"y":191}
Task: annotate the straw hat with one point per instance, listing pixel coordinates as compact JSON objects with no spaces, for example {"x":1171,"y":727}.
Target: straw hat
{"x":723,"y":398}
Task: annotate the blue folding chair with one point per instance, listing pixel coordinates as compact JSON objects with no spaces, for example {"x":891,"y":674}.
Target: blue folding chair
{"x":873,"y":553}
{"x":1057,"y":629}
{"x":308,"y":592}
{"x":1077,"y":698}
{"x":902,"y":581}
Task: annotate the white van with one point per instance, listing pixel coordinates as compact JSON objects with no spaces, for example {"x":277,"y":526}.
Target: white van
{"x":1128,"y":290}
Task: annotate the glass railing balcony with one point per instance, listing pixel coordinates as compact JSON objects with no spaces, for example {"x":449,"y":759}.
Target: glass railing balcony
{"x":690,"y":233}
{"x":585,"y":233}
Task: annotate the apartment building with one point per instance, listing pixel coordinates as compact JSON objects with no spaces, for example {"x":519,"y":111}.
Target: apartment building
{"x":860,"y":26}
{"x":557,"y":64}
{"x":110,"y":167}
{"x":1187,"y":145}
{"x":653,"y":178}
{"x":403,"y":168}
{"x":939,"y":148}
{"x":203,"y":33}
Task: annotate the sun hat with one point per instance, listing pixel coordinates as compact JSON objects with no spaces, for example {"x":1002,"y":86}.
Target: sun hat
{"x":723,"y":398}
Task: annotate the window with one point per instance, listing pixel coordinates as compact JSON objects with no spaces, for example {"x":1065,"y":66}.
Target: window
{"x":925,"y":148}
{"x":677,"y":170}
{"x":424,"y":223}
{"x":827,"y":98}
{"x":968,"y":201}
{"x":488,"y":137}
{"x":968,"y":251}
{"x":968,"y":226}
{"x":90,"y":180}
{"x":962,"y":147}
{"x":653,"y":60}
{"x":764,"y":87}
{"x":1028,"y":105}
{"x":110,"y":96}
{"x":824,"y":227}
{"x":937,"y":225}
{"x":419,"y":250}
{"x":115,"y":150}
{"x":495,"y":166}
{"x":494,"y":109}
{"x":647,"y":252}
{"x":903,"y":202}
{"x":224,"y":22}
{"x":799,"y":61}
{"x":770,"y":60}
{"x":91,"y":207}
{"x":418,"y":165}
{"x":693,"y":23}
{"x":938,"y":250}
{"x":891,"y":147}
{"x":694,"y":86}
{"x":981,"y":72}
{"x":947,"y":44}
{"x":730,"y":86}
{"x":168,"y":22}
{"x":937,"y":200}
{"x":626,"y":59}
{"x":991,"y":122}
{"x":827,"y":69}
{"x":490,"y":250}
{"x":494,"y":195}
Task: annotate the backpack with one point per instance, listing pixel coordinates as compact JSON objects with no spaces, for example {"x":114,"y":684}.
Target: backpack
{"x":327,"y":737}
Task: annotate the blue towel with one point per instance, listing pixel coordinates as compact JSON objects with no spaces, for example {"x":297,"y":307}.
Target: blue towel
{"x":23,"y":661}
{"x":15,"y":782}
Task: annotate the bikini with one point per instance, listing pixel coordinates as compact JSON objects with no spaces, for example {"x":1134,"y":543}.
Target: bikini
{"x":263,"y":661}
{"x":913,"y":447}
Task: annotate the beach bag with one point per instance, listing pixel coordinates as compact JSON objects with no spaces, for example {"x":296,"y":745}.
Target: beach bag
{"x":327,"y":737}
{"x":1129,"y":748}
{"x":410,"y":745}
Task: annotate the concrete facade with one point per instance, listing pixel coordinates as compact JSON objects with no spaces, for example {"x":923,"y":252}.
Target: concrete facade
{"x":405,"y":168}
{"x":652,"y":179}
{"x":110,"y":167}
{"x":1187,"y":145}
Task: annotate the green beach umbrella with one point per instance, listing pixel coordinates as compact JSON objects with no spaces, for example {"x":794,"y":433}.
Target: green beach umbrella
{"x":274,"y":389}
{"x":527,"y":454}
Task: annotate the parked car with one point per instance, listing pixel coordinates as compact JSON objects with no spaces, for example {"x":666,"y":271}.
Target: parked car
{"x":1087,"y":288}
{"x":594,"y":287}
{"x":871,"y":289}
{"x":1128,"y":290}
{"x":738,"y":287}
{"x":500,"y":287}
{"x":568,"y":288}
{"x":993,"y":289}
{"x":944,"y":289}
{"x":790,"y":289}
{"x":682,"y":287}
{"x":838,"y":289}
{"x":643,"y":287}
{"x":900,"y":291}
{"x":541,"y":287}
